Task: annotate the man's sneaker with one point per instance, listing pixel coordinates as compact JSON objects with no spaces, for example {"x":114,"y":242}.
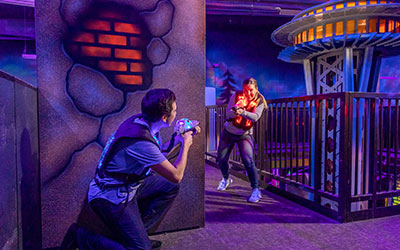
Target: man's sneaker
{"x":255,"y":196}
{"x":224,"y":184}
{"x":155,"y":244}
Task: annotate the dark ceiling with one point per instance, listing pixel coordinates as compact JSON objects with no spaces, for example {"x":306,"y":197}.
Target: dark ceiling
{"x":17,"y":22}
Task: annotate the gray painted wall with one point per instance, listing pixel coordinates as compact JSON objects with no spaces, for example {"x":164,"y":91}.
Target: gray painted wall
{"x":20,"y":223}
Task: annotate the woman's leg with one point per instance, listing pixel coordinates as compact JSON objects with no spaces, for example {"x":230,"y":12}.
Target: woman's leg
{"x":246,"y":149}
{"x":225,"y":147}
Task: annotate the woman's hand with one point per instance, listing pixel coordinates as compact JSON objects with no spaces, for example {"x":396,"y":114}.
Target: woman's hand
{"x":239,"y":111}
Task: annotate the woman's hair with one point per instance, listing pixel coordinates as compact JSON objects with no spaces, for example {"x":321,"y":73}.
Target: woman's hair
{"x":156,"y":103}
{"x":252,"y":81}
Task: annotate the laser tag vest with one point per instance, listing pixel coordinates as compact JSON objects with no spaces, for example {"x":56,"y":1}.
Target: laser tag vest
{"x":250,"y":106}
{"x":133,"y":131}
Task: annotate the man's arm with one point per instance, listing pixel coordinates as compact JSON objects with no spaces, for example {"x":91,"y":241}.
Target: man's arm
{"x":174,"y":172}
{"x":166,"y":147}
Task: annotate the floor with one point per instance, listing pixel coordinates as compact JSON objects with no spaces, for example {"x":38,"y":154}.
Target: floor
{"x":275,"y":223}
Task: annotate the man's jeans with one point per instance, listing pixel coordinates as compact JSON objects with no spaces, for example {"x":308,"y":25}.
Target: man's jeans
{"x":129,"y":224}
{"x":245,"y":145}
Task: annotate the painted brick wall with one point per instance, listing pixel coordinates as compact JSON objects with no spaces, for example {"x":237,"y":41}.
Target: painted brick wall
{"x":114,"y":44}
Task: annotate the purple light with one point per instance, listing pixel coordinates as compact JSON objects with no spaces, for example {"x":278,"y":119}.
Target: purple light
{"x":29,"y":56}
{"x":388,"y":77}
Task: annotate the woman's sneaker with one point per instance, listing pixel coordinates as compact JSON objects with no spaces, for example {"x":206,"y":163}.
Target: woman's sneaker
{"x":255,"y":196}
{"x":224,"y":184}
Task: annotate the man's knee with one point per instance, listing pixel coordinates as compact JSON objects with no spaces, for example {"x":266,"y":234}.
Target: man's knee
{"x":175,"y":188}
{"x":170,"y":187}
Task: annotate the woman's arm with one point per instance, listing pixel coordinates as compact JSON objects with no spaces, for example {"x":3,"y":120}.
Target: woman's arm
{"x":250,"y":115}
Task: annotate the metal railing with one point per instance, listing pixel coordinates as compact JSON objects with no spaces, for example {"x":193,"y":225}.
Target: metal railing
{"x":336,"y":153}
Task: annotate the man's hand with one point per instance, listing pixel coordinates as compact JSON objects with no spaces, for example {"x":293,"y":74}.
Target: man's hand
{"x":198,"y":129}
{"x":187,"y":138}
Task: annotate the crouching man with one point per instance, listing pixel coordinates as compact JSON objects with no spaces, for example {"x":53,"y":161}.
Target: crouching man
{"x":124,"y":193}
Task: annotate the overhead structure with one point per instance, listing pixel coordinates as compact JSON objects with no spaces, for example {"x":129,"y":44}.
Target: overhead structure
{"x":341,"y":43}
{"x":26,"y":3}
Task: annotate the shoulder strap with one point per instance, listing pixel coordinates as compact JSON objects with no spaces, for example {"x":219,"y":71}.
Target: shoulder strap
{"x":128,"y":129}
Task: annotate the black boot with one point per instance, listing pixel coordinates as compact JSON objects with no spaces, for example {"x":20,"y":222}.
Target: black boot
{"x":70,"y":239}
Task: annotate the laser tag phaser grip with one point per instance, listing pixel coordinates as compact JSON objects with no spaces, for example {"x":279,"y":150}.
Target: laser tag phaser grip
{"x":185,"y":125}
{"x":182,"y":126}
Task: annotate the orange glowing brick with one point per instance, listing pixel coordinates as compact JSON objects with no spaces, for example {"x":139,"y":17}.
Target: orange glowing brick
{"x":96,"y":51}
{"x":373,"y":2}
{"x":129,"y":79}
{"x":299,"y":37}
{"x":319,"y":32}
{"x":111,"y":14}
{"x":362,"y":26}
{"x":84,"y":37}
{"x":128,"y":54}
{"x":310,"y":13}
{"x":372,"y":25}
{"x":97,"y":25}
{"x":350,"y":27}
{"x":112,"y":66}
{"x":112,"y":39}
{"x":137,"y":67}
{"x":339,"y":28}
{"x":295,"y":40}
{"x":397,"y":27}
{"x":135,"y":42}
{"x":383,"y":1}
{"x":127,"y":28}
{"x":328,"y":8}
{"x":382,"y":25}
{"x":318,"y":11}
{"x":328,"y":30}
{"x":361,"y":3}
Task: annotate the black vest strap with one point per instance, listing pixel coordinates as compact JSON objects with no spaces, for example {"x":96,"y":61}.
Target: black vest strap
{"x":128,"y":129}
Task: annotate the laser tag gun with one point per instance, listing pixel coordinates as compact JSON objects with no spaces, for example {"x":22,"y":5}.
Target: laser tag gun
{"x":182,"y":126}
{"x":241,"y":102}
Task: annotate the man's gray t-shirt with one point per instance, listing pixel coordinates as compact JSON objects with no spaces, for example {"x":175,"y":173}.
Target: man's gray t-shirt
{"x":132,"y":159}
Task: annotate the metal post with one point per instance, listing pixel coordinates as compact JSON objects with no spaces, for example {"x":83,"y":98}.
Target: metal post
{"x":308,"y":73}
{"x":348,"y":69}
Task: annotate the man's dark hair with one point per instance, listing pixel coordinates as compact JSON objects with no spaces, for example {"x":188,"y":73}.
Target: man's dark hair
{"x":156,"y":103}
